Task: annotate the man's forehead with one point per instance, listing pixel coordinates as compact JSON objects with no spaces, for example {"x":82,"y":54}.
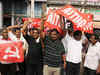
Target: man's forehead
{"x":53,"y":32}
{"x":18,"y":31}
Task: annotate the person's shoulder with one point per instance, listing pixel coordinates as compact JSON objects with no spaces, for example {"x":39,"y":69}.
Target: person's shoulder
{"x":59,"y":42}
{"x":98,"y":44}
{"x":1,"y":37}
{"x":27,"y":35}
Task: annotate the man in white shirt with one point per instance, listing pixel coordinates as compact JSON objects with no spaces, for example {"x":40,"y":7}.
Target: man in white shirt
{"x":92,"y":59}
{"x":67,"y":37}
{"x":15,"y":37}
{"x":74,"y":54}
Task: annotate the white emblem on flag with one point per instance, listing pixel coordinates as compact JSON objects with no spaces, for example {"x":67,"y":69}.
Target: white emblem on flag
{"x":13,"y":53}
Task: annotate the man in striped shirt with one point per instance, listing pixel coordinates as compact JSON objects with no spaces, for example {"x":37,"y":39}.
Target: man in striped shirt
{"x":54,"y":51}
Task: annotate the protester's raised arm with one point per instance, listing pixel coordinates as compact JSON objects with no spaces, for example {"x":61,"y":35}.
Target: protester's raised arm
{"x":62,"y":24}
{"x":12,"y":27}
{"x":25,"y":25}
{"x":42,"y":33}
{"x":24,"y":28}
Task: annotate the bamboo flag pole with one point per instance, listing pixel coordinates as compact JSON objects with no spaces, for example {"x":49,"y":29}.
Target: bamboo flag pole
{"x":83,"y":6}
{"x":42,"y":24}
{"x":32,"y":8}
{"x":43,"y":15}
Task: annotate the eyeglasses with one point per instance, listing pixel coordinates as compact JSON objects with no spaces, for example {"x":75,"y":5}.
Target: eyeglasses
{"x":35,"y":32}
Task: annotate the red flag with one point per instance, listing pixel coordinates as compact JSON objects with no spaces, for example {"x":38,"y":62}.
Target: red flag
{"x":80,"y":21}
{"x":11,"y":52}
{"x":53,"y":21}
{"x":88,"y":16}
{"x":36,"y":22}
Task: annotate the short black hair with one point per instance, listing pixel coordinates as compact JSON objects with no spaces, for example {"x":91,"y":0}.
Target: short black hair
{"x":15,"y":29}
{"x":70,"y":31}
{"x":96,"y":36}
{"x":77,"y":33}
{"x":52,"y":30}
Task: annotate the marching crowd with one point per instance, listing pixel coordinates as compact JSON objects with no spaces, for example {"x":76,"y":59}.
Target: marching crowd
{"x":47,"y":53}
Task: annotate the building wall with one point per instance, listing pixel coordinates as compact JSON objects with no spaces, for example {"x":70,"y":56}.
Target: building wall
{"x":1,"y":15}
{"x":38,"y":9}
{"x":12,"y":9}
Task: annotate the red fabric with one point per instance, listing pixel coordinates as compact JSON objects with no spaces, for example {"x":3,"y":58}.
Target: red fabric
{"x":7,"y":39}
{"x":53,"y":21}
{"x":88,"y":16}
{"x":36,"y":22}
{"x":80,"y":21}
{"x":11,"y":52}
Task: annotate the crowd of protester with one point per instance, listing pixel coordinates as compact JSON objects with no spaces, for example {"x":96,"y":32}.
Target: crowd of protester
{"x":52,"y":53}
